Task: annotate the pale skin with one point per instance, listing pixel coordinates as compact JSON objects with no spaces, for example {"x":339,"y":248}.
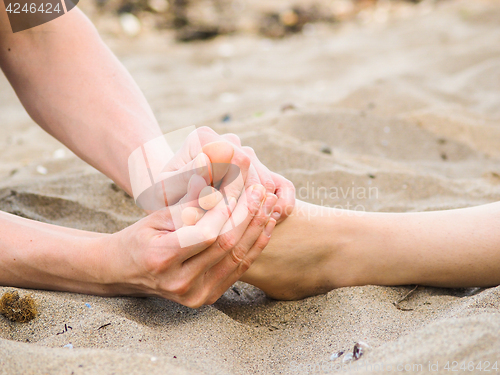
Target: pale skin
{"x":318,"y":249}
{"x":310,"y":252}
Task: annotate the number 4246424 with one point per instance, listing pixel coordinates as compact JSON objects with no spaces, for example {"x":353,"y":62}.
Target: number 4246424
{"x":471,"y":366}
{"x":32,"y":8}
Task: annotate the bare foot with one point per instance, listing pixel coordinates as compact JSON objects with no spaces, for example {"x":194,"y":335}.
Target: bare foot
{"x":300,"y":260}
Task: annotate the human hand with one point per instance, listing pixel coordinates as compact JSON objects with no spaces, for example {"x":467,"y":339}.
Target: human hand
{"x":148,"y":259}
{"x":205,"y":152}
{"x":259,"y":173}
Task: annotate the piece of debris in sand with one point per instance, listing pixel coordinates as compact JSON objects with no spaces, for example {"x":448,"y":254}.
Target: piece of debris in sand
{"x":18,"y":309}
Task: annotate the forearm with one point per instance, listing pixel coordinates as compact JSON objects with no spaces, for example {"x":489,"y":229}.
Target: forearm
{"x":75,"y":88}
{"x":43,"y":256}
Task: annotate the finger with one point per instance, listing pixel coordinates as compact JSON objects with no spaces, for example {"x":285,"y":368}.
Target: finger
{"x":196,"y":238}
{"x":191,"y":215}
{"x":220,"y":154}
{"x":236,"y":180}
{"x":252,"y":232}
{"x":244,"y":213}
{"x":226,"y":272}
{"x":172,"y":186}
{"x":210,"y":286}
{"x":209,"y":197}
{"x":237,"y":177}
{"x":285,"y":190}
{"x":195,"y":186}
{"x":232,"y":138}
{"x":263,"y":172}
{"x":186,"y":211}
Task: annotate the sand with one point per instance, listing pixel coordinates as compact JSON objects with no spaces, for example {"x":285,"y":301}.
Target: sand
{"x":406,"y":105}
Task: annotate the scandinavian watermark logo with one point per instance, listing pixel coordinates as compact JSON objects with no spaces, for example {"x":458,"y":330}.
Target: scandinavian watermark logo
{"x":26,"y":14}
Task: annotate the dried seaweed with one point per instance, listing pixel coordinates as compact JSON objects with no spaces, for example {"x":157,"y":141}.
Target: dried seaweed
{"x":18,"y":309}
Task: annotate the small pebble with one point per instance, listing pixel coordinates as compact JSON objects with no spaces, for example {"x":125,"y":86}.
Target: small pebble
{"x":69,"y":346}
{"x":288,"y":107}
{"x":159,"y":6}
{"x":130,"y":24}
{"x":336,"y":355}
{"x":228,"y":97}
{"x":325,"y":149}
{"x":60,"y":153}
{"x":359,"y":349}
{"x":347,"y":358}
{"x":41,"y":169}
{"x":226,"y":50}
{"x":289,"y":17}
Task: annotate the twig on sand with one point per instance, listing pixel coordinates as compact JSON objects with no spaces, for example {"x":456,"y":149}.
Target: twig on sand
{"x":404,"y":298}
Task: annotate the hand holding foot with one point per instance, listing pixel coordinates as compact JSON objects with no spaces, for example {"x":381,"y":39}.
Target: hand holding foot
{"x":152,"y":262}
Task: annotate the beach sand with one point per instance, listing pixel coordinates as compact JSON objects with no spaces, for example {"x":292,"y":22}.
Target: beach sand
{"x":405,"y":108}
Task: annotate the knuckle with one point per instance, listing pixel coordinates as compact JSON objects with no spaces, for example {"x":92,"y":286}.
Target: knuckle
{"x":160,"y":216}
{"x":241,"y":160}
{"x":226,"y":241}
{"x":254,"y":208}
{"x":259,"y":220}
{"x":157,"y":262}
{"x":233,"y":138}
{"x":238,"y":255}
{"x":208,"y":240}
{"x":244,"y":266}
{"x":249,"y":150}
{"x":179,"y":288}
{"x":192,"y":303}
{"x":204,"y":130}
{"x":289,"y":184}
{"x":206,"y":236}
{"x":195,"y":301}
{"x":270,"y":185}
{"x":211,"y":300}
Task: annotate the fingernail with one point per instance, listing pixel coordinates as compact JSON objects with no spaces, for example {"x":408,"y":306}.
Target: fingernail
{"x":209,"y":198}
{"x":258,"y":193}
{"x":276,"y":216}
{"x":269,"y":227}
{"x":269,"y":203}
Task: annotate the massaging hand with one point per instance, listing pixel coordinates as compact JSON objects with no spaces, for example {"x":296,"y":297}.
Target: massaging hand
{"x":213,"y":160}
{"x":149,"y":260}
